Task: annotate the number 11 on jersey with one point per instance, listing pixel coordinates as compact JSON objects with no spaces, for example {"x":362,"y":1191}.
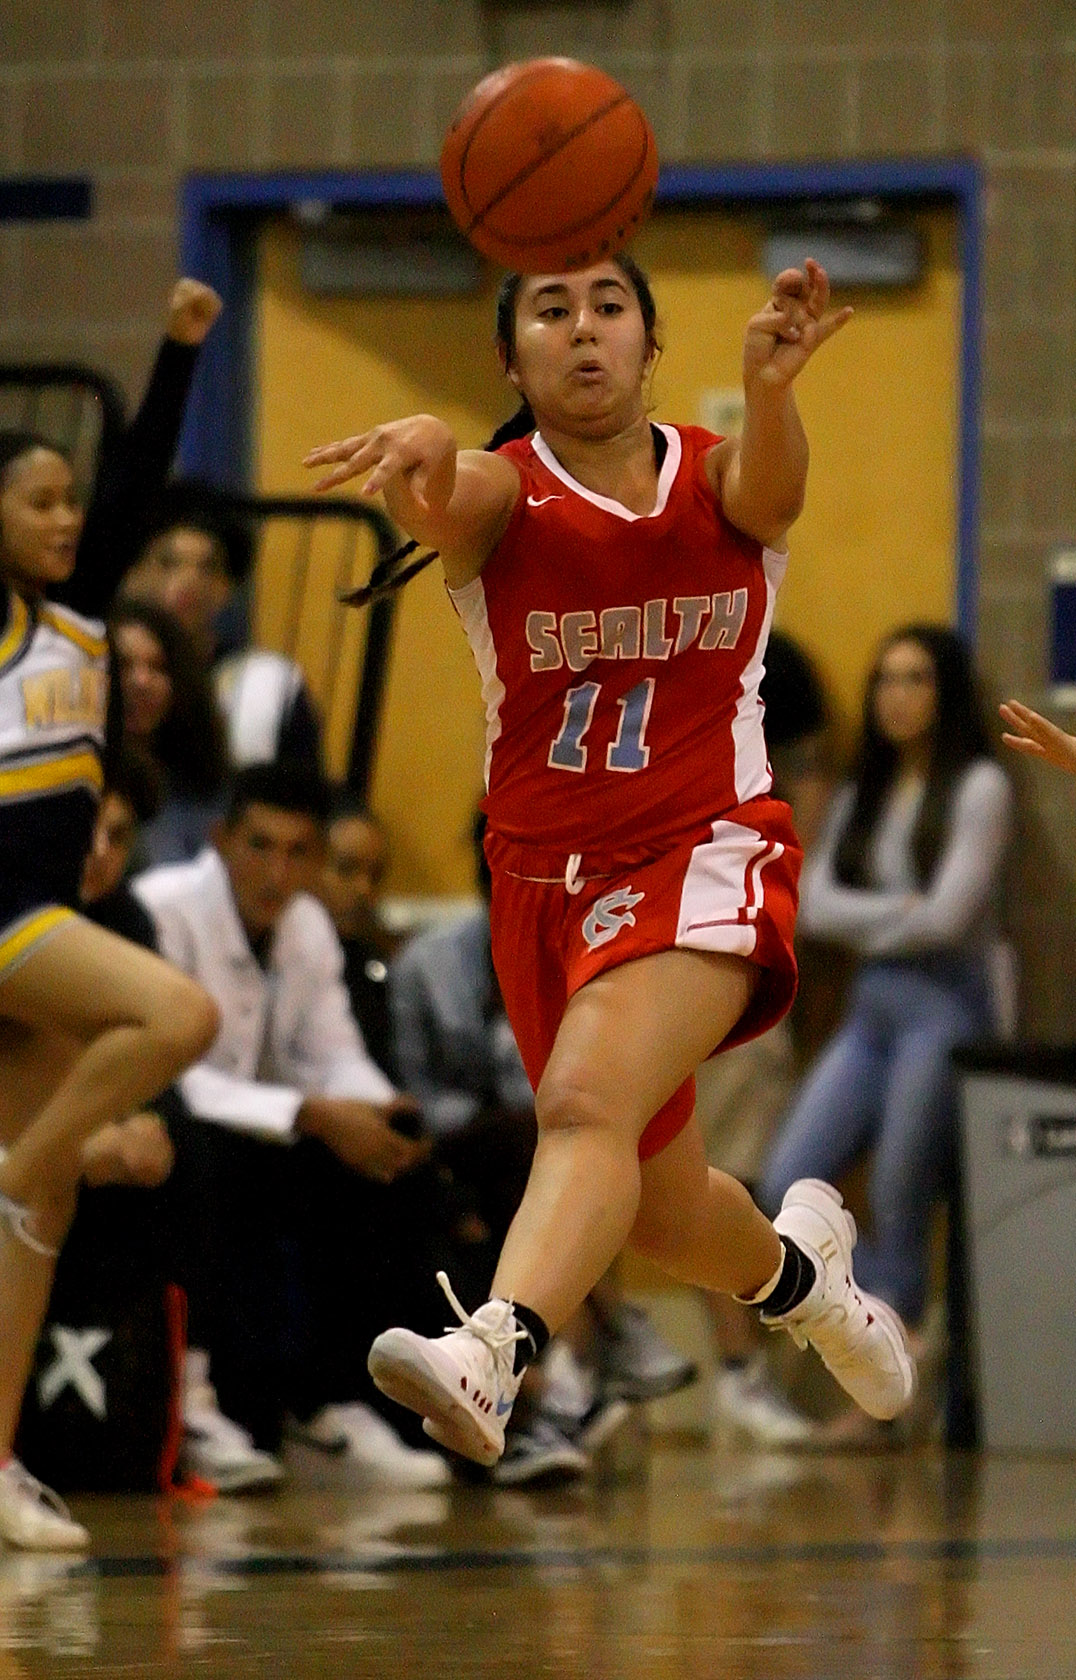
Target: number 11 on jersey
{"x":628,"y":752}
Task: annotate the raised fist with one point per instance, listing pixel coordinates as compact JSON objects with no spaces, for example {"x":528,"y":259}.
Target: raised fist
{"x":192,"y":309}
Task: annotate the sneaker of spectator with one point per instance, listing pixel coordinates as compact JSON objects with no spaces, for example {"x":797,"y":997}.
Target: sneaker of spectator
{"x":635,"y":1362}
{"x":747,"y":1403}
{"x":573,"y":1400}
{"x":372,"y":1444}
{"x":537,"y":1450}
{"x":214,"y":1447}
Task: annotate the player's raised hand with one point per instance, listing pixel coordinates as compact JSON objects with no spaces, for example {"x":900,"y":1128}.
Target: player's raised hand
{"x":782,"y":337}
{"x":192,"y":309}
{"x":1036,"y":737}
{"x":420,"y":451}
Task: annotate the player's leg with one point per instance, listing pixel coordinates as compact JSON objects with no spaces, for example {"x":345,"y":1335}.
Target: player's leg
{"x":697,"y":1223}
{"x":690,"y":1219}
{"x":139,"y":1019}
{"x":628,"y":1040}
{"x":128,"y":1023}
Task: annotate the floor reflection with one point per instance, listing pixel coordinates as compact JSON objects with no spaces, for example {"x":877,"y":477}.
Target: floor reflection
{"x":743,"y":1567}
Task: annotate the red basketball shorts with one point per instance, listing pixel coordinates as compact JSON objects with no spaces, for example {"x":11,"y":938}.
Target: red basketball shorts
{"x":557,"y":921}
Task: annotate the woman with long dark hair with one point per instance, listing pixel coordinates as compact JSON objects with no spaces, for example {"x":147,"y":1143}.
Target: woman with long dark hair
{"x":170,"y":716}
{"x":905,"y":876}
{"x":616,"y":581}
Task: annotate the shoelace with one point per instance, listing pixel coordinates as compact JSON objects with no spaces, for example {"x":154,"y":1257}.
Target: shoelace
{"x":17,"y":1473}
{"x":497,"y":1337}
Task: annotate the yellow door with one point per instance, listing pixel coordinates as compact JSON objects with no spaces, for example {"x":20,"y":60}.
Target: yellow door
{"x":875,"y":546}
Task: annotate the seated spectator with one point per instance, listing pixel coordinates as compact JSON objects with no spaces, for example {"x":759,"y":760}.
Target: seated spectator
{"x":905,"y":876}
{"x":330,"y":1223}
{"x":195,"y":564}
{"x":171,"y":718}
{"x":356,"y":855}
{"x":457,"y":1056}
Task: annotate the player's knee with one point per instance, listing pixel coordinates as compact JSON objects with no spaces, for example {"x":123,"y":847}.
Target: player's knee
{"x":565,"y":1103}
{"x":185,"y":1023}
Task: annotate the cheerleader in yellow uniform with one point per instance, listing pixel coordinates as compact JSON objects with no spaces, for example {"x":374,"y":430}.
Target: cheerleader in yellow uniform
{"x":91,"y":1027}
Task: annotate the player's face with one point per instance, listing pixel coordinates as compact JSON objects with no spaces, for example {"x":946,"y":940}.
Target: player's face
{"x":905,"y":694}
{"x":184,"y":571}
{"x":270,"y":855}
{"x":581,"y":348}
{"x":40,"y":519}
{"x":145,"y":680}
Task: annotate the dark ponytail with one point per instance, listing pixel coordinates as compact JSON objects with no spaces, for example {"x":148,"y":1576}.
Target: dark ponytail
{"x":390,"y":573}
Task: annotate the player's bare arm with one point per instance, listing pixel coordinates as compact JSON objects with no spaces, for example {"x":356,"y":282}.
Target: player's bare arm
{"x":1036,"y":737}
{"x":761,"y":476}
{"x":457,"y":501}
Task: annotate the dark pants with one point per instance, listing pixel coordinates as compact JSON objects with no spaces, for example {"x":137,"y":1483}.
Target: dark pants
{"x":295,"y":1263}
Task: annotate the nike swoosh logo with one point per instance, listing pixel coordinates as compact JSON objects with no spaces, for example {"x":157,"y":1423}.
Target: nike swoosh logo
{"x":540,"y":501}
{"x":504,"y":1406}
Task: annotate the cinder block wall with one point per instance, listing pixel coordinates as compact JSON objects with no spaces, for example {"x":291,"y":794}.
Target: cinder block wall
{"x":137,"y":92}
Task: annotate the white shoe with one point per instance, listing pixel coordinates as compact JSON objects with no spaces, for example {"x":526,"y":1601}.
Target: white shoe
{"x":858,"y":1338}
{"x":33,"y":1517}
{"x":322,"y":1431}
{"x":747,"y":1402}
{"x":371,"y":1442}
{"x":222,"y":1452}
{"x":462,"y":1383}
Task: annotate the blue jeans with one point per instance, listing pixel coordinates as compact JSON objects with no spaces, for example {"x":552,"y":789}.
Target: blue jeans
{"x":885,"y":1082}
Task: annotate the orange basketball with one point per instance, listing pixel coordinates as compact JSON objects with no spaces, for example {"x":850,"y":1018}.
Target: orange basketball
{"x":549,"y":165}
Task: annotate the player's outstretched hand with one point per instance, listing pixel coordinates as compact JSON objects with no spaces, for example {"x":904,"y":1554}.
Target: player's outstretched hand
{"x":192,"y":309}
{"x":783,"y":336}
{"x":1037,"y":737}
{"x":420,"y":450}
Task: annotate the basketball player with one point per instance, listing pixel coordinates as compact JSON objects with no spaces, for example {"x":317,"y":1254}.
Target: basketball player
{"x":617,"y":580}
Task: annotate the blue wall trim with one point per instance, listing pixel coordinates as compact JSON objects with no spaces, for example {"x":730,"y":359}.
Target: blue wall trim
{"x":220,"y":213}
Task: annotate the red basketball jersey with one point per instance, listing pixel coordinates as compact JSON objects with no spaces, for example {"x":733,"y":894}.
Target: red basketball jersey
{"x":620,"y":657}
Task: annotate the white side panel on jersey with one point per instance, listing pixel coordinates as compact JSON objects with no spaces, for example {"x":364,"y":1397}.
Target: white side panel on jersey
{"x":723,"y":890}
{"x":751,"y":768}
{"x":470,"y":603}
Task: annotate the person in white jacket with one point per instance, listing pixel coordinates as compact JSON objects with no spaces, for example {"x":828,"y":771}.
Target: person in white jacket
{"x":288,"y":1067}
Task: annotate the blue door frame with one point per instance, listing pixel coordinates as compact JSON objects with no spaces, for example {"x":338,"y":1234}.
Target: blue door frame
{"x":220,"y":211}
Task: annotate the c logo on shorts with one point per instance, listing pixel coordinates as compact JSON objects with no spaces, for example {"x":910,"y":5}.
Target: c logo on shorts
{"x":609,"y":914}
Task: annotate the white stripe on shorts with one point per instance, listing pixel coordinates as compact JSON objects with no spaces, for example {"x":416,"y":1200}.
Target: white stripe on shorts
{"x":723,"y":890}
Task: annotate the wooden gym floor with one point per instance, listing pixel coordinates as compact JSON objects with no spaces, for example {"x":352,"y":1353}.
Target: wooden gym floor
{"x":677,"y":1563}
